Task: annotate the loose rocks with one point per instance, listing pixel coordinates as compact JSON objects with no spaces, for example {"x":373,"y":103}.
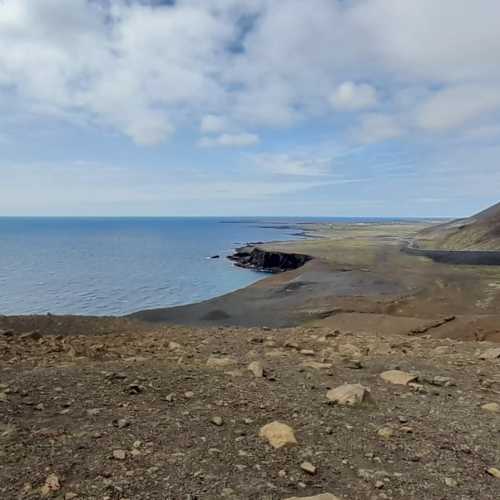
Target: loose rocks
{"x":349,"y":394}
{"x":398,"y":377}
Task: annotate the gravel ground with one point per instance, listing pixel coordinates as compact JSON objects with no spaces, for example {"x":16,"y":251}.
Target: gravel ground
{"x":175,"y":413}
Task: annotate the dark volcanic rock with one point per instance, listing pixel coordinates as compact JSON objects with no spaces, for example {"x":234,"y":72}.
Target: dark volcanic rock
{"x":263,"y":260}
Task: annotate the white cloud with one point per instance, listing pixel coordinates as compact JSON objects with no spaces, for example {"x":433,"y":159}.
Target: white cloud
{"x":230,"y":140}
{"x":350,"y":96}
{"x":285,"y":164}
{"x":456,"y":106}
{"x":376,"y":127}
{"x":213,"y":124}
{"x":483,"y":132}
{"x":442,"y":41}
{"x":132,"y":66}
{"x":147,"y":69}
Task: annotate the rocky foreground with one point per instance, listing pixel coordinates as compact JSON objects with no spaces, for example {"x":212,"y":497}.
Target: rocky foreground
{"x":180,"y":413}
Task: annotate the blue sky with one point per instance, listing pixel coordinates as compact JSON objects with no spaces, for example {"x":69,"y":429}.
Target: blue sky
{"x":249,"y":107}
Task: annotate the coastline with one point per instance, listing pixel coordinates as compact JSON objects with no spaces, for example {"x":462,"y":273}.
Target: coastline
{"x":354,"y":275}
{"x":115,"y":266}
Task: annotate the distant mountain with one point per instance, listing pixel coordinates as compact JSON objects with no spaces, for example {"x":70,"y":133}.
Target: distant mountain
{"x":479,"y":232}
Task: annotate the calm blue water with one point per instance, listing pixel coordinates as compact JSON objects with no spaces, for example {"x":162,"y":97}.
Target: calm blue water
{"x":120,"y":265}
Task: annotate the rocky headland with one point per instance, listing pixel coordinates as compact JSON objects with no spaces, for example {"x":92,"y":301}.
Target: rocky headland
{"x":253,"y":257}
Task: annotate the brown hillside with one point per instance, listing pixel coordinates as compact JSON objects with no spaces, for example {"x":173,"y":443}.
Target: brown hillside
{"x":479,"y":232}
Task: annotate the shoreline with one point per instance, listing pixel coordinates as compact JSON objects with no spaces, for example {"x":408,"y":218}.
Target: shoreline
{"x":354,"y":276}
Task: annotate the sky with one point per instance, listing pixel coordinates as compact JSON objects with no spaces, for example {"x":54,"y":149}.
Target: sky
{"x":249,"y":107}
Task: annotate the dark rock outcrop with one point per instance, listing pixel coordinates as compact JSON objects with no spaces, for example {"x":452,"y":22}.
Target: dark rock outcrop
{"x":267,"y":261}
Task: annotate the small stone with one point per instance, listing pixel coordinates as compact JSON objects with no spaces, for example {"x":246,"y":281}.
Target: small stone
{"x":30,"y":336}
{"x":216,"y":362}
{"x":93,"y":412}
{"x":51,"y":485}
{"x":442,"y":349}
{"x":398,"y":377}
{"x":349,"y":394}
{"x":278,"y":435}
{"x":370,"y":475}
{"x":490,"y":353}
{"x":491,"y":407}
{"x":353,"y":364}
{"x":316,"y":365}
{"x":170,"y":397}
{"x":450,"y":482}
{"x":492,"y":471}
{"x":322,"y":496}
{"x":217,"y":421}
{"x":379,"y":484}
{"x":307,"y":352}
{"x":385,"y":432}
{"x":119,"y":454}
{"x":257,"y":368}
{"x":441,"y":381}
{"x":308,"y":467}
{"x":70,"y":496}
{"x":349,"y":351}
{"x":121,"y":423}
{"x":135,"y":389}
{"x":174,"y":346}
{"x":189,"y":394}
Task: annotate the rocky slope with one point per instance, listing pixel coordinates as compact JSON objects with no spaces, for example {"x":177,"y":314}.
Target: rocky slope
{"x":225,"y":413}
{"x":479,"y":232}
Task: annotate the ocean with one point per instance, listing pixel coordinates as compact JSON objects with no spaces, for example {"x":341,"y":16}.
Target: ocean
{"x":116,"y":266}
